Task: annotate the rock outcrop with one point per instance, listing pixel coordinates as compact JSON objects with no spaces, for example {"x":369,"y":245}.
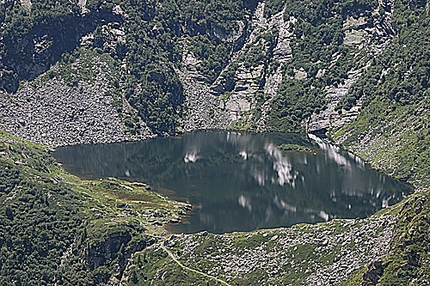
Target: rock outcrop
{"x":234,"y":95}
{"x":370,"y":39}
{"x":241,"y":96}
{"x":28,"y":53}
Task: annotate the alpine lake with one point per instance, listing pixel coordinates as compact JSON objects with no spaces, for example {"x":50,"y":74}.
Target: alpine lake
{"x":243,"y":181}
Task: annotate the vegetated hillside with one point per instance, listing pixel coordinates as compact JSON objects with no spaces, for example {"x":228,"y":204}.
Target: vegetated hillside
{"x":358,"y":69}
{"x":169,"y":66}
{"x":57,"y":229}
{"x":392,"y":133}
{"x":392,"y":130}
{"x":61,"y":230}
{"x":143,"y":39}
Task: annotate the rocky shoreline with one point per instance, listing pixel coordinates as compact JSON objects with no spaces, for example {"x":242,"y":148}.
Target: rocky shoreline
{"x":320,"y":254}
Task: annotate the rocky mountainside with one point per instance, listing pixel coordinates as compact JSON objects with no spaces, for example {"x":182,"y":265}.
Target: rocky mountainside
{"x":74,"y":72}
{"x":262,"y":65}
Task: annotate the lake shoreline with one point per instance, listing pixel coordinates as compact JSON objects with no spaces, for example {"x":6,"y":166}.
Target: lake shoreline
{"x":229,"y":175}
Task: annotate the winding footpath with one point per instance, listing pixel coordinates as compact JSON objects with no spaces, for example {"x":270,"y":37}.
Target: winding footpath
{"x":190,"y":269}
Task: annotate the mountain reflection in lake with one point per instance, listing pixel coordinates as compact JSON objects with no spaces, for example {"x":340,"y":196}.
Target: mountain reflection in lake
{"x":241,"y":181}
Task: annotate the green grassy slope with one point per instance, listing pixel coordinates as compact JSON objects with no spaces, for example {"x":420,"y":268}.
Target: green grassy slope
{"x":58,"y":229}
{"x":392,"y":133}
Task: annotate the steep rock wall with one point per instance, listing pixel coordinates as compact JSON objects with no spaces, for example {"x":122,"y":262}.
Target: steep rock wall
{"x":269,"y":72}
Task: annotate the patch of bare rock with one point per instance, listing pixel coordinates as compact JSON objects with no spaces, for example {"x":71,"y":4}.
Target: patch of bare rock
{"x":57,"y":114}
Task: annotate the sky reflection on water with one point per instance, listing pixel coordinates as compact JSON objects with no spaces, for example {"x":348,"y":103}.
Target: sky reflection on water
{"x":243,"y":181}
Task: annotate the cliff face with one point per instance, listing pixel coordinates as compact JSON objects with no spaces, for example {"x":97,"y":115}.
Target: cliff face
{"x":34,"y":38}
{"x":271,"y":59}
{"x":268,"y":67}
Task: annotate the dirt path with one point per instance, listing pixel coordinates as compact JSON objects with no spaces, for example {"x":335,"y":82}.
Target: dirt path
{"x":192,"y":270}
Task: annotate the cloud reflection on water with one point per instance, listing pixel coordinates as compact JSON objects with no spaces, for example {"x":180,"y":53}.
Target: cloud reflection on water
{"x":282,"y":166}
{"x":243,"y":181}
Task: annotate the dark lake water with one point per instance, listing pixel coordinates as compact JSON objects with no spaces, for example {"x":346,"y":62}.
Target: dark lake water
{"x":241,"y":181}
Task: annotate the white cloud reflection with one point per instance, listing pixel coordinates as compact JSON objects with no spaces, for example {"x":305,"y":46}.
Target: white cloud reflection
{"x":259,"y":176}
{"x":333,"y":152}
{"x":325,"y":216}
{"x":191,"y":157}
{"x":243,"y":154}
{"x":282,"y":166}
{"x":245,"y":202}
{"x":283,"y":205}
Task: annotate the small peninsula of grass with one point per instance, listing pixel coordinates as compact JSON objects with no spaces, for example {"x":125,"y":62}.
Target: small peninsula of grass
{"x":296,"y":147}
